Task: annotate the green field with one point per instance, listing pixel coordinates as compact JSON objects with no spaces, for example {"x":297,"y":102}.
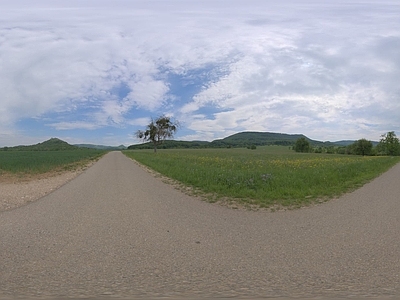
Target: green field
{"x":266,"y":177}
{"x":39,"y":162}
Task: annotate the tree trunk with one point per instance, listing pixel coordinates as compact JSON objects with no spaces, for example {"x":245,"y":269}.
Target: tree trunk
{"x":155,"y":147}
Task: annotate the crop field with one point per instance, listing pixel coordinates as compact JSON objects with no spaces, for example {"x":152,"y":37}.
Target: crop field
{"x":39,"y":162}
{"x":267,"y":176}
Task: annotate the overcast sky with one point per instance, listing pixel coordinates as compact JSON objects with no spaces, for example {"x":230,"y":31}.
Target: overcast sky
{"x":96,"y":71}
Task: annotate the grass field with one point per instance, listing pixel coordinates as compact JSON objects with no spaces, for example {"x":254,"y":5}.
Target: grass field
{"x":39,"y":162}
{"x":267,"y":176}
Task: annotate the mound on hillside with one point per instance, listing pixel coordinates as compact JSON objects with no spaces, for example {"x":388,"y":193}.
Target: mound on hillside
{"x":52,"y":144}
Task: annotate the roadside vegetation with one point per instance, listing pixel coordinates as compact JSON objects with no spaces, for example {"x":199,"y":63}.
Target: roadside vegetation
{"x":388,"y":145}
{"x":267,"y":176}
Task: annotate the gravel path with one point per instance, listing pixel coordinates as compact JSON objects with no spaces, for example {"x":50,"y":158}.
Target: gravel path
{"x":16,"y":193}
{"x":116,"y":231}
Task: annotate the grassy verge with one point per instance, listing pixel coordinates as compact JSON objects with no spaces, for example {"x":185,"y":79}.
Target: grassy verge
{"x":39,"y":162}
{"x":265,"y":177}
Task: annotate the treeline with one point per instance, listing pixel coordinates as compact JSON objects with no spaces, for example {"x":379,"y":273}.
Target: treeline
{"x":237,"y":140}
{"x":171,"y":144}
{"x":389,"y":145}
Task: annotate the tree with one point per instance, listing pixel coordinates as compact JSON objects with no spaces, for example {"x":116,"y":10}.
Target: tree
{"x":302,"y":145}
{"x":157,"y":131}
{"x":362,"y":147}
{"x":389,"y":144}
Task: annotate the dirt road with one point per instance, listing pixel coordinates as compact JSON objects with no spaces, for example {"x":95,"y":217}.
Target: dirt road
{"x":116,"y":231}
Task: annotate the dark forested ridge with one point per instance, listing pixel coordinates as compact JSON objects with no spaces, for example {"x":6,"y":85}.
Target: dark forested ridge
{"x":242,"y":139}
{"x":101,"y":147}
{"x":172,"y":144}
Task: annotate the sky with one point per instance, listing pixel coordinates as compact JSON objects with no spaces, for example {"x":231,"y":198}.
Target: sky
{"x":96,"y":71}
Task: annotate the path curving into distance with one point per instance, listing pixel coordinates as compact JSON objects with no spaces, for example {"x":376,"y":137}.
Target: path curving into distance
{"x":116,"y":231}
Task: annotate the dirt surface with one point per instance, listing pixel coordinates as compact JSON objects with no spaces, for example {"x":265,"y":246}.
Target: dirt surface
{"x":16,"y":191}
{"x":116,"y":231}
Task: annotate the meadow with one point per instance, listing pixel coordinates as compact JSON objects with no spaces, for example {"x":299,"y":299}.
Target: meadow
{"x":40,"y":162}
{"x":269,"y":176}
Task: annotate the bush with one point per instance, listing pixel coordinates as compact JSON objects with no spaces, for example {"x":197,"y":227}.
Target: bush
{"x":302,"y":145}
{"x":362,"y":147}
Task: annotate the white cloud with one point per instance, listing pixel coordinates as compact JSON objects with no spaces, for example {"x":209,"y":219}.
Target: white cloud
{"x":139,"y":122}
{"x":148,"y":93}
{"x":74,"y":125}
{"x":319,"y":68}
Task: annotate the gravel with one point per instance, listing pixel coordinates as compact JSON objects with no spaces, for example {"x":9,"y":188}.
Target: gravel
{"x":15,"y":192}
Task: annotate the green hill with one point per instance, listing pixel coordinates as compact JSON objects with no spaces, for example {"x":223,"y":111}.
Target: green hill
{"x":243,"y":139}
{"x":52,"y":144}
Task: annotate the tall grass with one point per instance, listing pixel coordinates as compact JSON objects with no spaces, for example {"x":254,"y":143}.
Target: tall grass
{"x":38,"y":162}
{"x":267,"y":176}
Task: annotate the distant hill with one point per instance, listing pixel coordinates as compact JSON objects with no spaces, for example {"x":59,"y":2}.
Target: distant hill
{"x":55,"y":144}
{"x":101,"y":147}
{"x":238,"y":140}
{"x":343,"y":143}
{"x":49,"y":145}
{"x":242,"y":139}
{"x":349,"y":142}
